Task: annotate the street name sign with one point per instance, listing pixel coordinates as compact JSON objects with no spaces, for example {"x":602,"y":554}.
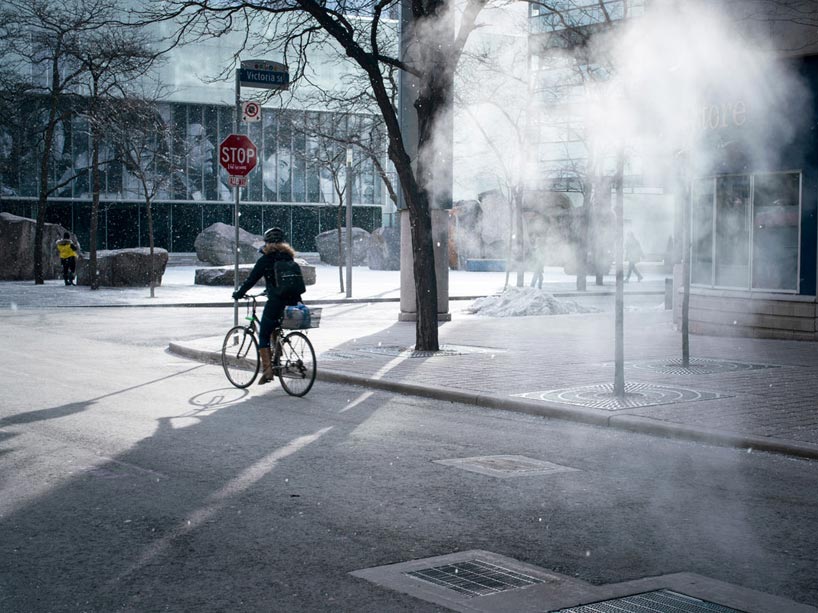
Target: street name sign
{"x":264,"y":74}
{"x":238,"y":155}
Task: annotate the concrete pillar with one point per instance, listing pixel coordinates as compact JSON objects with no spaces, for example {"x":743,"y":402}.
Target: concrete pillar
{"x":408,"y":296}
{"x":441,"y":199}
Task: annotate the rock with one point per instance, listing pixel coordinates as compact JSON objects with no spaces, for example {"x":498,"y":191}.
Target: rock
{"x":384,"y":249}
{"x":17,"y":248}
{"x":327,"y":244}
{"x":223,"y":275}
{"x":124,"y":267}
{"x":216,"y":245}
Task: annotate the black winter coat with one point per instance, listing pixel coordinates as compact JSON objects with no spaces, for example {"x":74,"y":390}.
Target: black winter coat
{"x":265,"y":267}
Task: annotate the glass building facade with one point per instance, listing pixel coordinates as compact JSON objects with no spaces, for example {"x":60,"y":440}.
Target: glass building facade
{"x":292,"y":186}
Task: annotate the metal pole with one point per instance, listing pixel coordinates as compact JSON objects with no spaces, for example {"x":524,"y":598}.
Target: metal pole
{"x":349,"y":222}
{"x":619,"y":332}
{"x":237,"y":195}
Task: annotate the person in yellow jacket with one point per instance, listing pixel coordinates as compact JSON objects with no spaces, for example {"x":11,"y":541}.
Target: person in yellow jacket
{"x":68,"y":250}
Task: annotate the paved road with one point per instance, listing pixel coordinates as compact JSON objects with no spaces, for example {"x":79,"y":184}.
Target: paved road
{"x":136,"y":480}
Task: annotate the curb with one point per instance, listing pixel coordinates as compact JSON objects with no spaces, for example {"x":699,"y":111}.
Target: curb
{"x":626,"y":423}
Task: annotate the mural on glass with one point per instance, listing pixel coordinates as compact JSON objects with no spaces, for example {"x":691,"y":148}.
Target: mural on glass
{"x":288,"y":170}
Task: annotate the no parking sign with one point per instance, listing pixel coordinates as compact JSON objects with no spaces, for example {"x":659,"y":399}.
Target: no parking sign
{"x":250,"y":112}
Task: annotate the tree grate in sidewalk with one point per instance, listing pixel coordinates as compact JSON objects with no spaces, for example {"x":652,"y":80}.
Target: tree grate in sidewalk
{"x":660,"y":601}
{"x":474,"y":577}
{"x":698,"y":366}
{"x":445,"y":351}
{"x":637,"y":395}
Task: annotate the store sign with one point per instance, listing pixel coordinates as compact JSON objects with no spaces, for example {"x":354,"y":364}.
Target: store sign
{"x":724,"y":115}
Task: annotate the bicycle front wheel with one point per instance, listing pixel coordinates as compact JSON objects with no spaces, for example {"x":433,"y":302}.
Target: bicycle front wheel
{"x":240,"y":356}
{"x":296,"y":365}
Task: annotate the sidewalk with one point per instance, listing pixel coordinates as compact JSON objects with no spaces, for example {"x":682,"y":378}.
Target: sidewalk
{"x":746,"y":393}
{"x":752,"y":394}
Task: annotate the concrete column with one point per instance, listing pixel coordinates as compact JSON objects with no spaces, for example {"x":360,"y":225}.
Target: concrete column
{"x":408,"y":296}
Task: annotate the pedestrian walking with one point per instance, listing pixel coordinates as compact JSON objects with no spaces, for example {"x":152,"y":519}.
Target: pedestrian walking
{"x":633,"y":253}
{"x":538,"y":255}
{"x":274,"y":250}
{"x":68,"y":250}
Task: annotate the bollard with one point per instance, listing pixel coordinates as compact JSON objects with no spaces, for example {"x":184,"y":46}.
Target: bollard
{"x":668,"y":294}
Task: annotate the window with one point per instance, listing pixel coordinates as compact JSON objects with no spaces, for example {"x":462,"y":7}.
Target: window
{"x":775,"y":231}
{"x":732,"y":231}
{"x":745,"y":231}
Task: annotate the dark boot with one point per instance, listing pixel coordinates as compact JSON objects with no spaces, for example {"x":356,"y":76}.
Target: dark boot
{"x":266,"y":365}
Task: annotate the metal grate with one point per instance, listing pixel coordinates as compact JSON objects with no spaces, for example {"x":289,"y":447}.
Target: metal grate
{"x":637,"y":395}
{"x":698,"y":366}
{"x":445,"y":351}
{"x":474,"y":578}
{"x":660,"y":601}
{"x":505,"y":466}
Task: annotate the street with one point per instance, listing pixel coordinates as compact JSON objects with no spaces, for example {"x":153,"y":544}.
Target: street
{"x":136,"y":480}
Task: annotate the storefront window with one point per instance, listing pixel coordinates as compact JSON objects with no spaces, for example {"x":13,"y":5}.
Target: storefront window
{"x":745,"y":231}
{"x":701,"y":270}
{"x":732,"y":231}
{"x":775,"y":231}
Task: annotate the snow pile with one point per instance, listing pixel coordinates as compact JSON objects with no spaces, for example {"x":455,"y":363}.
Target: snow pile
{"x":519,"y":301}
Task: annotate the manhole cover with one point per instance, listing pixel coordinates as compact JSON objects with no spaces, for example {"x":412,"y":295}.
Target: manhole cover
{"x":637,"y":395}
{"x":660,"y":601}
{"x":698,"y":366}
{"x":474,"y":577}
{"x":445,"y":351}
{"x":505,"y":466}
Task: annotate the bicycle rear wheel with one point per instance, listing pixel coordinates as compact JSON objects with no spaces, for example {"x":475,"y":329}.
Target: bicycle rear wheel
{"x":296,"y":364}
{"x":240,"y":356}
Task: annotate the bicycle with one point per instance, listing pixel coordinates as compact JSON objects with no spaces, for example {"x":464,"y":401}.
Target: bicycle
{"x":293,"y":355}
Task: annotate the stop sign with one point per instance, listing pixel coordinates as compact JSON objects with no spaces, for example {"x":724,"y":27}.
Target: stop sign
{"x":238,"y":155}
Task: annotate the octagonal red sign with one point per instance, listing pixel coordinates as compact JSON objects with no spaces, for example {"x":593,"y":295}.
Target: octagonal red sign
{"x":238,"y":155}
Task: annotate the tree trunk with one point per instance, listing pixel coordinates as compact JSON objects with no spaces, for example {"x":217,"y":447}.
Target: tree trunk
{"x":149,"y":213}
{"x":92,"y":260}
{"x":521,"y":252}
{"x":42,"y":199}
{"x":341,"y":258}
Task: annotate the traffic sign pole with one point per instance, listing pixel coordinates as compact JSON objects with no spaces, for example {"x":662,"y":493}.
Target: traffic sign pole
{"x":237,"y":197}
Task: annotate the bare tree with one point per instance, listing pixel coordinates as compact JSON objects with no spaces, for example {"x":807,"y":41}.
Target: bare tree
{"x":111,"y":59}
{"x":356,"y":27}
{"x":141,"y":139}
{"x":35,"y":36}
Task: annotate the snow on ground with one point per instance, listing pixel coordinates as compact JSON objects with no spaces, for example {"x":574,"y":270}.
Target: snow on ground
{"x":520,"y":301}
{"x":178,"y":287}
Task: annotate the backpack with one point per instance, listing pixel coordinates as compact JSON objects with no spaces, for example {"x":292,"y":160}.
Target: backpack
{"x":289,"y":280}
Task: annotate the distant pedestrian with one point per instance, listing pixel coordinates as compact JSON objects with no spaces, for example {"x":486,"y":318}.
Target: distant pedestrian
{"x":633,"y":253}
{"x":539,"y":261}
{"x":68,"y":250}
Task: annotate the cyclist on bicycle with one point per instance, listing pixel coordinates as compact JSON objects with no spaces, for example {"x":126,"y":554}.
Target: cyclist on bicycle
{"x":274,"y":249}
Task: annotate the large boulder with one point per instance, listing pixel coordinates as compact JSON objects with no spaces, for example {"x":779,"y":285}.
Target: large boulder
{"x":17,"y":248}
{"x":327,"y":245}
{"x":384,"y":249}
{"x":124,"y":267}
{"x":223,"y":275}
{"x":216,"y":245}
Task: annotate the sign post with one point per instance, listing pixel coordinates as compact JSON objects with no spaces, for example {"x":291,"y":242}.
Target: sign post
{"x":260,"y":74}
{"x":238,"y":156}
